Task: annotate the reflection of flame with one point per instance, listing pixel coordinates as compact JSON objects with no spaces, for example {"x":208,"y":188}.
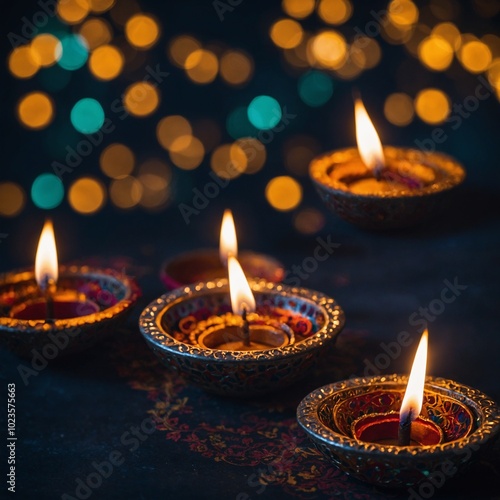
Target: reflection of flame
{"x":241,"y":295}
{"x":46,"y":267}
{"x":414,"y":395}
{"x":369,"y":145}
{"x":228,"y":242}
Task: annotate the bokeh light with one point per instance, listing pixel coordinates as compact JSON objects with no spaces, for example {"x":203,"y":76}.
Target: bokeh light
{"x":87,"y":116}
{"x":309,"y":221}
{"x":202,"y":66}
{"x":125,"y":193}
{"x":180,"y":48}
{"x":186,"y":152}
{"x":172,"y":128}
{"x":12,"y":199}
{"x":449,"y":32}
{"x":475,"y":56}
{"x":283,"y":193}
{"x":155,"y":176}
{"x":46,"y":49}
{"x":432,"y":105}
{"x":106,"y":62}
{"x":334,"y":11}
{"x":73,"y":52}
{"x":494,"y":73}
{"x":403,"y":13}
{"x":349,"y":70}
{"x":298,"y":151}
{"x":315,"y":88}
{"x":369,"y":48}
{"x":435,"y":52}
{"x":493,"y":43}
{"x":328,"y":49}
{"x":35,"y":110}
{"x":297,"y":56}
{"x":47,"y":191}
{"x":141,"y":99}
{"x":238,"y":125}
{"x":236,"y":67}
{"x":72,"y":11}
{"x":117,"y":161}
{"x":142,"y":31}
{"x":100,"y":6}
{"x":228,"y":161}
{"x":286,"y":33}
{"x":87,"y":195}
{"x":54,"y":79}
{"x":96,"y":32}
{"x":298,"y":8}
{"x":397,"y":34}
{"x":23,"y":63}
{"x":264,"y":112}
{"x":255,"y":152}
{"x":398,"y":109}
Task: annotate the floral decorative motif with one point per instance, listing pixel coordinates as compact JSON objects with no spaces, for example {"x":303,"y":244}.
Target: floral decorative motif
{"x":260,"y":438}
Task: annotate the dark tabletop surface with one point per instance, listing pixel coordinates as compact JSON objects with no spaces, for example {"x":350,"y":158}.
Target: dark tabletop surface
{"x":81,"y":411}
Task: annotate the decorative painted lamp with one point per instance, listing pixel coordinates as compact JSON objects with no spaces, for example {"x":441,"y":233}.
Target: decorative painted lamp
{"x":406,"y":428}
{"x":241,"y":338}
{"x":208,"y":264}
{"x":393,"y":431}
{"x":378,"y":187}
{"x":243,"y":329}
{"x":72,"y":306}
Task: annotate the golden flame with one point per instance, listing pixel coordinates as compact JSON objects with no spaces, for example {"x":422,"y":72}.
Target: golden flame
{"x":228,"y":242}
{"x":369,"y":145}
{"x":239,"y":289}
{"x":46,"y":266}
{"x":414,"y":395}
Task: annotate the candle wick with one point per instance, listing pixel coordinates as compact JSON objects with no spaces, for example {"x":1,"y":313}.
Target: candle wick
{"x":404,"y":430}
{"x":246,"y":329}
{"x":49,"y":288}
{"x":377,"y":171}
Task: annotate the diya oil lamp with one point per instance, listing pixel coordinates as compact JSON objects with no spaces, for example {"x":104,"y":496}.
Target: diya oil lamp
{"x":406,"y":428}
{"x":394,"y":430}
{"x":380,"y":187}
{"x":78,"y":303}
{"x":209,"y":264}
{"x":243,"y":329}
{"x":239,"y":338}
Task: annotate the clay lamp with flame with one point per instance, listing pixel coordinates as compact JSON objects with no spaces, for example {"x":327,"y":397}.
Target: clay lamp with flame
{"x":208,"y":264}
{"x":381,"y":187}
{"x":237,"y":333}
{"x":57,"y":310}
{"x":396,"y":431}
{"x":241,"y":337}
{"x":52,"y":304}
{"x":407,"y":428}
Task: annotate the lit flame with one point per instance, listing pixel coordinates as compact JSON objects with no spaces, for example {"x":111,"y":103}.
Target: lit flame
{"x":369,"y":145}
{"x":241,"y":295}
{"x":228,"y":243}
{"x":414,"y":395}
{"x":46,"y":267}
